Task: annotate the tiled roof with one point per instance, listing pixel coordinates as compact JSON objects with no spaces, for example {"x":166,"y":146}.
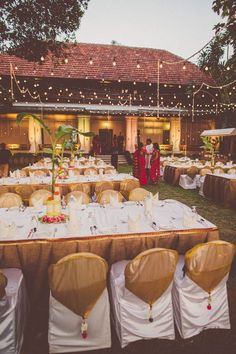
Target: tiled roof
{"x":103,"y":56}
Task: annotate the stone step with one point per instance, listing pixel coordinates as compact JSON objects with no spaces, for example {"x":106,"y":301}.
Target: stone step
{"x":107,"y":158}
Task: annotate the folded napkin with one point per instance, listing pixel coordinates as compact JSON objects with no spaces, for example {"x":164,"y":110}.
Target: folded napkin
{"x":114,"y":201}
{"x":7,"y":230}
{"x":148,"y":204}
{"x":73,"y":207}
{"x":134,"y":223}
{"x":101,"y":171}
{"x":189,"y":219}
{"x":12,"y":174}
{"x":37,"y":202}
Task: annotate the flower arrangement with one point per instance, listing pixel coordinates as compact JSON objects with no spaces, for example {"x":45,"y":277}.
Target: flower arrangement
{"x":210,"y":145}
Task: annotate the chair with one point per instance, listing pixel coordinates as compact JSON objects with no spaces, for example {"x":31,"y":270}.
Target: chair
{"x":138,"y":194}
{"x":127,"y":186}
{"x":110,"y":171}
{"x":25,"y":191}
{"x":232,"y":171}
{"x":76,"y":171}
{"x":200,"y":293}
{"x":78,"y":195}
{"x":141,"y":296}
{"x":41,"y":195}
{"x":103,"y":186}
{"x":83,"y":187}
{"x":40,"y":173}
{"x":90,"y":171}
{"x":104,"y":197}
{"x":10,"y":200}
{"x":13,"y":310}
{"x":79,"y":309}
{"x":190,"y":179}
{"x":218,"y":170}
{"x":204,"y":171}
{"x":3,"y":189}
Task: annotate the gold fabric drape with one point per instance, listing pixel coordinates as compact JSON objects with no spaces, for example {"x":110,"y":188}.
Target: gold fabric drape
{"x":207,"y":264}
{"x":221,"y":190}
{"x":150,"y":273}
{"x":3,"y":284}
{"x":77,"y":281}
{"x":172,"y":174}
{"x":138,"y":194}
{"x":127,"y":186}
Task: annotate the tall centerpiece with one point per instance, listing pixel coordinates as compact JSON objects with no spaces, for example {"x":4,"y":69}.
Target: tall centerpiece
{"x":210,"y":145}
{"x":63,"y":135}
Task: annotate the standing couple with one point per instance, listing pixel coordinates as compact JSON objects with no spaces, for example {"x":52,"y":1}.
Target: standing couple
{"x":146,"y":163}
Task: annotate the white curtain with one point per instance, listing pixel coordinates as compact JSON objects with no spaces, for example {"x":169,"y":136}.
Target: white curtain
{"x":35,"y":136}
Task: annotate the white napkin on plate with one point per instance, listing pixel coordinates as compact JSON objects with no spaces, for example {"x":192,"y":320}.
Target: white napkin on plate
{"x":73,"y":207}
{"x":148,"y":204}
{"x":134,"y":223}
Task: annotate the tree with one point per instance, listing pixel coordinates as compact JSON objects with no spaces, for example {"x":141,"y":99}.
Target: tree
{"x":222,"y":68}
{"x":32,"y":28}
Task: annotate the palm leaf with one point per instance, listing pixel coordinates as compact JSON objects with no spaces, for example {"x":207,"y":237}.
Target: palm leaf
{"x":21,"y":116}
{"x":87,"y":134}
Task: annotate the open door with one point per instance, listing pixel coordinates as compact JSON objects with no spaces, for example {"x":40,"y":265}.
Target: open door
{"x":105,"y":136}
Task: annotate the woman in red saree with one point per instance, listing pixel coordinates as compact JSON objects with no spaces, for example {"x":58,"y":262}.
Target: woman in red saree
{"x":142,"y":163}
{"x":155,"y":164}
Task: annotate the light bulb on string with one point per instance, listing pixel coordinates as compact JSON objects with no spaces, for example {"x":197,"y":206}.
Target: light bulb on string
{"x":42,"y":58}
{"x":91,"y":61}
{"x":66,"y":60}
{"x":206,"y":68}
{"x":138,"y":65}
{"x":228,"y":68}
{"x":184,"y":66}
{"x":114,"y":62}
{"x":161,"y":65}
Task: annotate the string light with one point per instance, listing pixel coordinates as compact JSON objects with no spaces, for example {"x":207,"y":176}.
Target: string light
{"x":138,"y":65}
{"x":91,"y":61}
{"x":42,"y":58}
{"x":114,"y":62}
{"x":66,"y":60}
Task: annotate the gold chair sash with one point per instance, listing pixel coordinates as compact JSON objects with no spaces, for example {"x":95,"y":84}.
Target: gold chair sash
{"x":90,"y":171}
{"x":78,"y":195}
{"x":127,"y":186}
{"x":39,"y":194}
{"x":218,"y":170}
{"x":3,"y":284}
{"x":103,"y":186}
{"x":82,"y":187}
{"x":204,"y":171}
{"x":138,"y":194}
{"x":25,"y":191}
{"x":10,"y":200}
{"x":78,"y":280}
{"x":207,"y":264}
{"x":192,"y":171}
{"x":150,"y":273}
{"x":104,"y":197}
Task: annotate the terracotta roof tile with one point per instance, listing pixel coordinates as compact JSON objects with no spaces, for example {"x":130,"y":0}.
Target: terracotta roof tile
{"x":102,"y":68}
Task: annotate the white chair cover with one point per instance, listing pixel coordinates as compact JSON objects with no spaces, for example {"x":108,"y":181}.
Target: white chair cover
{"x":131,"y":313}
{"x":189,"y":301}
{"x":187,"y":182}
{"x":13,"y":312}
{"x":201,"y":183}
{"x":64,"y":327}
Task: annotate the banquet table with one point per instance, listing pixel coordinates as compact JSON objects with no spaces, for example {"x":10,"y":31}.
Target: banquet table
{"x":25,"y":186}
{"x":28,"y":244}
{"x":172,"y":172}
{"x":221,"y":188}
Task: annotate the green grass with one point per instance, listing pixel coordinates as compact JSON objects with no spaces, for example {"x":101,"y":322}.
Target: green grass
{"x":223,"y":218}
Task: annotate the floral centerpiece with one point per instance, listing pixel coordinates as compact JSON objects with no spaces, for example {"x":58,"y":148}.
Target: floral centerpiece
{"x":62,"y":135}
{"x":210,"y":145}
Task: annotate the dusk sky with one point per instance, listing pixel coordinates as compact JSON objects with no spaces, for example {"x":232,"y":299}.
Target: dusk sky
{"x":180,"y":26}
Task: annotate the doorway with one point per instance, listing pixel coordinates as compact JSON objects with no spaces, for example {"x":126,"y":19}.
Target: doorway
{"x":105,"y":136}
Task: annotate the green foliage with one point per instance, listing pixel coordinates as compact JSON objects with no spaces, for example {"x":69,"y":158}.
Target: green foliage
{"x":32,"y":28}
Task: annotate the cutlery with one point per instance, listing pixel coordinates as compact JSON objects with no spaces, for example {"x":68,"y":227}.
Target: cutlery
{"x":31,"y":232}
{"x":95,"y":229}
{"x":54,"y":232}
{"x":154,"y":226}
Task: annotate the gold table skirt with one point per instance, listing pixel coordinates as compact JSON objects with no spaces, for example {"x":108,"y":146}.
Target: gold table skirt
{"x":221,"y":190}
{"x":35,"y":256}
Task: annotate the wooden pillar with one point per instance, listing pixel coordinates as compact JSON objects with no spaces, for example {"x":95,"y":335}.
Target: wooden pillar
{"x":84,"y":126}
{"x":175,"y":129}
{"x":131,"y":133}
